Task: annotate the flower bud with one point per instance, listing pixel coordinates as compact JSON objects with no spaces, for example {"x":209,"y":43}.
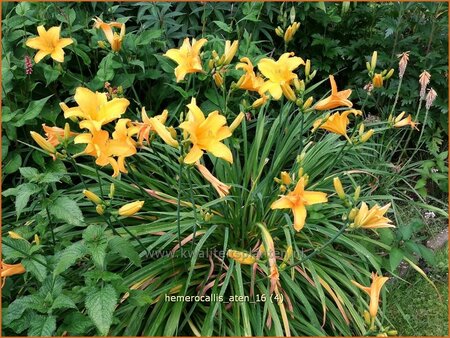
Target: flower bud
{"x":66,"y":131}
{"x":307,"y":67}
{"x":279,"y":31}
{"x":218,"y":79}
{"x":373,"y":61}
{"x":338,"y":187}
{"x":285,"y":178}
{"x":210,"y":64}
{"x":357,"y":193}
{"x":14,"y":235}
{"x":102,"y":44}
{"x":130,"y":209}
{"x":207,"y":216}
{"x":389,"y":74}
{"x":37,"y":239}
{"x":92,"y":197}
{"x":287,"y":256}
{"x":367,"y":317}
{"x":392,"y":333}
{"x":368,"y":67}
{"x":366,"y":136}
{"x":352,"y":214}
{"x":288,"y":92}
{"x":112,"y":190}
{"x":237,"y":121}
{"x":308,"y":103}
{"x":313,"y":74}
{"x":43,"y":143}
{"x":283,"y":188}
{"x":100,"y":209}
{"x":241,"y":257}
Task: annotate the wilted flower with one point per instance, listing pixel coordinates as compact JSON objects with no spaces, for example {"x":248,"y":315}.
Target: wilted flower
{"x":377,"y":80}
{"x":8,"y":270}
{"x":241,"y":257}
{"x":424,"y":80}
{"x":187,"y":57}
{"x":155,"y":124}
{"x":431,"y":96}
{"x":28,"y":65}
{"x":113,"y":38}
{"x":290,"y":31}
{"x":49,"y":42}
{"x":230,"y":51}
{"x":404,"y":58}
{"x":221,"y":188}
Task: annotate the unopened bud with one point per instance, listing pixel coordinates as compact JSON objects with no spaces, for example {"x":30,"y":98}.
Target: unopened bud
{"x":285,"y":178}
{"x":308,"y":103}
{"x":66,"y":131}
{"x":130,"y":209}
{"x":307,"y":67}
{"x":366,"y":136}
{"x":112,"y":190}
{"x":357,"y":193}
{"x":389,"y":74}
{"x":100,"y":209}
{"x":241,"y":257}
{"x":218,"y":79}
{"x":313,"y":74}
{"x":373,"y":61}
{"x":338,"y":188}
{"x":283,"y":188}
{"x":351,"y":217}
{"x":43,"y":143}
{"x":392,"y":332}
{"x":92,"y":197}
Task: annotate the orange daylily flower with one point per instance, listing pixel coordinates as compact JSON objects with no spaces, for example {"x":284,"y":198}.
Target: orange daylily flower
{"x":279,"y":74}
{"x":336,"y":99}
{"x":249,"y":81}
{"x":377,"y":80}
{"x":187,"y":57}
{"x":55,"y":134}
{"x":399,"y":121}
{"x":221,"y":188}
{"x":373,"y":218}
{"x":8,"y":270}
{"x":49,"y":42}
{"x":297,"y":200}
{"x":155,"y":124}
{"x":113,"y":38}
{"x":95,"y":106}
{"x":337,"y":123}
{"x":205,"y":134}
{"x":373,"y":291}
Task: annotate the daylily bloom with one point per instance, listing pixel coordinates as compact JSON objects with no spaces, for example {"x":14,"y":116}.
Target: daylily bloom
{"x":259,"y":102}
{"x":373,"y":218}
{"x":55,"y":134}
{"x":336,"y":99}
{"x":249,"y":81}
{"x":377,"y":80}
{"x":373,"y":291}
{"x":221,"y":188}
{"x":399,"y":121}
{"x":95,"y":106}
{"x":241,"y":257}
{"x":103,"y":148}
{"x":279,"y":74}
{"x":337,"y":123}
{"x":297,"y":200}
{"x":113,"y":38}
{"x":11,"y":270}
{"x":130,"y":209}
{"x":49,"y":42}
{"x":205,"y":134}
{"x":155,"y":124}
{"x":187,"y":57}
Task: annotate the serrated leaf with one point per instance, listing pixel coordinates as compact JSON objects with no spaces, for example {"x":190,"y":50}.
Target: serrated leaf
{"x":124,"y":249}
{"x":33,"y":111}
{"x":12,"y":164}
{"x":22,"y":193}
{"x":66,"y":209}
{"x":145,"y":37}
{"x":223,"y":26}
{"x":77,"y":324}
{"x":69,"y":256}
{"x":17,"y":308}
{"x":96,"y":243}
{"x":100,"y":307}
{"x":395,"y":257}
{"x":13,"y":248}
{"x":42,"y":326}
{"x":28,"y":172}
{"x":37,"y":269}
{"x":63,"y":302}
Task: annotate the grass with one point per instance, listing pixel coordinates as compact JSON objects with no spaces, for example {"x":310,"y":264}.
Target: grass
{"x":420,"y":313}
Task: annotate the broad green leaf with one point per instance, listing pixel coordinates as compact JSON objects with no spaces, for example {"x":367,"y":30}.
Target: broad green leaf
{"x":147,"y":36}
{"x":42,"y":326}
{"x":22,"y":193}
{"x":33,"y":111}
{"x":69,"y":256}
{"x":12,"y":164}
{"x":34,"y":267}
{"x":223,"y":26}
{"x":395,"y":257}
{"x":63,"y":302}
{"x":100,"y":307}
{"x":77,"y":324}
{"x":96,"y":243}
{"x":124,"y":248}
{"x":66,"y":209}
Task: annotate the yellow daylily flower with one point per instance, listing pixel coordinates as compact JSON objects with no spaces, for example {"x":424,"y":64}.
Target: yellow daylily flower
{"x":229,"y":53}
{"x":249,"y":81}
{"x":56,"y":134}
{"x":377,"y":80}
{"x":336,"y":99}
{"x":221,"y":188}
{"x":373,"y":291}
{"x":373,"y":218}
{"x":205,"y":134}
{"x":95,"y":106}
{"x":279,"y":74}
{"x":130,"y":209}
{"x":113,"y":38}
{"x":49,"y":42}
{"x":155,"y":124}
{"x":399,"y":121}
{"x":187,"y":57}
{"x":8,"y":270}
{"x":241,"y":257}
{"x":290,"y":31}
{"x":297,"y":200}
{"x":337,"y":123}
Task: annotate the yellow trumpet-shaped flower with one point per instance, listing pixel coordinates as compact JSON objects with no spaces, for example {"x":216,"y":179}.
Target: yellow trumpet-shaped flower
{"x":336,"y":99}
{"x":221,"y":188}
{"x":297,"y":200}
{"x":155,"y":124}
{"x":241,"y":257}
{"x":373,"y":218}
{"x":399,"y":121}
{"x":377,"y":80}
{"x":205,"y":134}
{"x":337,"y":123}
{"x":290,"y":31}
{"x":113,"y":38}
{"x":187,"y":57}
{"x":229,"y":53}
{"x":249,"y":81}
{"x":374,"y":292}
{"x":49,"y":42}
{"x":279,"y":74}
{"x":95,"y":106}
{"x":130,"y":209}
{"x":8,"y":270}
